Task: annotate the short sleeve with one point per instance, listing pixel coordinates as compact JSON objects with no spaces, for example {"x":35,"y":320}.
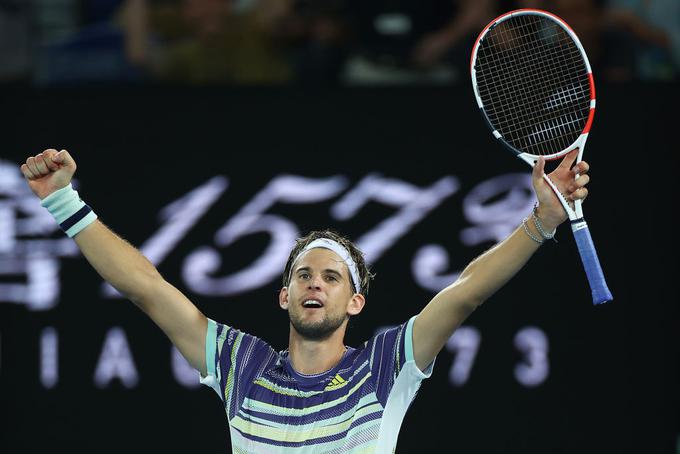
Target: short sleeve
{"x":391,"y":351}
{"x":233,"y":360}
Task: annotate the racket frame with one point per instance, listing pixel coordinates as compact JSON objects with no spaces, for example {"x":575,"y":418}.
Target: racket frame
{"x":579,"y":226}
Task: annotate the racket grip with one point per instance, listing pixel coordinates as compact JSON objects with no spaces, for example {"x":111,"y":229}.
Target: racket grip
{"x":591,"y":263}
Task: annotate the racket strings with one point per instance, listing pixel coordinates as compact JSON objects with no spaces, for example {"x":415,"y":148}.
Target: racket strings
{"x":496,"y":79}
{"x":547,"y":128}
{"x":527,"y":60}
{"x":533,"y":83}
{"x":553,"y":59}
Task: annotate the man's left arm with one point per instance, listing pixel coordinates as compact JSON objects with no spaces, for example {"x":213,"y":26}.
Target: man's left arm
{"x":491,"y":270}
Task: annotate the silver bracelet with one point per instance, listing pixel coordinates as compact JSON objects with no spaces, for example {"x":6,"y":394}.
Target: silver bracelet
{"x":531,"y":235}
{"x":539,"y":227}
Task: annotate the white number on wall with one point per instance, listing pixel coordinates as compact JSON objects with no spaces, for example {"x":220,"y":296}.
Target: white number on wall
{"x":535,"y":367}
{"x":464,"y":344}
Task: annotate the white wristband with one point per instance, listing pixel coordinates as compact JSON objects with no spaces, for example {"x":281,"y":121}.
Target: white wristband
{"x":70,"y":212}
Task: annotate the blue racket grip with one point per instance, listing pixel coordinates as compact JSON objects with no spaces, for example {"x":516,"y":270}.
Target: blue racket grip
{"x":591,"y":263}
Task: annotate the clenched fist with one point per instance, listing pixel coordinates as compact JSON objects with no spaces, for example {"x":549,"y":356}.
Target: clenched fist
{"x":49,"y":171}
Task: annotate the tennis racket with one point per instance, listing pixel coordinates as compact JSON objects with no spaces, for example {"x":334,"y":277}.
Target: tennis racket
{"x":535,"y":89}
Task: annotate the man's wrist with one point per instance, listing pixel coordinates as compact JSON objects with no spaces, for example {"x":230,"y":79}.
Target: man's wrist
{"x":548,"y":223}
{"x":70,"y":212}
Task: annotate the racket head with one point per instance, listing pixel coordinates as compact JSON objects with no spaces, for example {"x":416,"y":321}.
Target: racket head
{"x":533,"y":84}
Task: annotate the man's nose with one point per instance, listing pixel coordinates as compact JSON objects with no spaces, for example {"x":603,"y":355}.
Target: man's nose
{"x":315,"y":282}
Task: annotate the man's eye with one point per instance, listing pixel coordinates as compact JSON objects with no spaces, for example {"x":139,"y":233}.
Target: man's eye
{"x":304,"y":276}
{"x":330,"y":277}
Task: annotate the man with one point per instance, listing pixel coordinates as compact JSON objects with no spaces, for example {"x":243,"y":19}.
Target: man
{"x":319,"y":395}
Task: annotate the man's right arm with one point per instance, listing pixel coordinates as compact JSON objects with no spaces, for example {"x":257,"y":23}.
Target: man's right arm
{"x":123,"y":266}
{"x":134,"y":276}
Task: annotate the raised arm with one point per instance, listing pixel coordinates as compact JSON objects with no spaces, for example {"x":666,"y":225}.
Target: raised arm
{"x":490,"y":271}
{"x":123,"y":266}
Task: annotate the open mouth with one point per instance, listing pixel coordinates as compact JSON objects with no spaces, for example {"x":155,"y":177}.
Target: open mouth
{"x":312,"y":304}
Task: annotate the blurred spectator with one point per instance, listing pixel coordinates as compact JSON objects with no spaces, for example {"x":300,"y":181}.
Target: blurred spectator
{"x":415,"y":40}
{"x":308,"y":41}
{"x":55,"y":19}
{"x":585,"y":17}
{"x":454,"y":41}
{"x":208,"y":41}
{"x":80,"y":41}
{"x":318,"y":34}
{"x":650,"y":32}
{"x":621,"y":44}
{"x":15,"y":41}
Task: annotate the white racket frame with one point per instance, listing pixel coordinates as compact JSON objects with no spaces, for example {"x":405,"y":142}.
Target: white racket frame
{"x":575,"y":214}
{"x":591,"y":263}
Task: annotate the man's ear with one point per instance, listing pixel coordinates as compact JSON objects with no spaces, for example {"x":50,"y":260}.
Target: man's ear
{"x":283,"y":298}
{"x":356,"y":304}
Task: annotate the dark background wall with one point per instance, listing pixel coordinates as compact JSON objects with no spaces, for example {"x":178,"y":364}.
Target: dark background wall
{"x":611,"y":385}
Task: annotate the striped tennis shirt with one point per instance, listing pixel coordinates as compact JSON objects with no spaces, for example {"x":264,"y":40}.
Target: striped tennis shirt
{"x":355,"y":407}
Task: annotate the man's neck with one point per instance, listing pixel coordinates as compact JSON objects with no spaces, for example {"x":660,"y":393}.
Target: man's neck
{"x":311,"y":357}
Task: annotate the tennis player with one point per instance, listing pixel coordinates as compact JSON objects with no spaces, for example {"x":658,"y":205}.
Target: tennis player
{"x":319,"y":395}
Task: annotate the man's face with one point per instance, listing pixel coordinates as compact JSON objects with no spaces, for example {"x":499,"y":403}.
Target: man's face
{"x":319,"y":297}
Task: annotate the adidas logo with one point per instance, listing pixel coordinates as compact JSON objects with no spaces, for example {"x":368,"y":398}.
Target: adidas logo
{"x":337,"y":382}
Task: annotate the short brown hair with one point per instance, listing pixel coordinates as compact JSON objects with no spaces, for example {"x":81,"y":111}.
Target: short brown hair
{"x":365,"y":275}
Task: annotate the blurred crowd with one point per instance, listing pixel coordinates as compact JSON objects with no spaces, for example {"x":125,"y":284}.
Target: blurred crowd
{"x":323,"y":42}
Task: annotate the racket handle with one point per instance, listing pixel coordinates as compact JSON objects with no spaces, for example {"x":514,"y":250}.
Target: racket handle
{"x":591,"y":263}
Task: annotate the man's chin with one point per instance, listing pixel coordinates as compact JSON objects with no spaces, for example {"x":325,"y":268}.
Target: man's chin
{"x":316,"y":330}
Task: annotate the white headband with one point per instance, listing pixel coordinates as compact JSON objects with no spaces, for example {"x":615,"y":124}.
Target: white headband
{"x":336,"y":247}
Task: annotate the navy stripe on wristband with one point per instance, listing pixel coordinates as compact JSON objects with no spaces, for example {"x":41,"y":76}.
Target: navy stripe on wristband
{"x":77,"y":216}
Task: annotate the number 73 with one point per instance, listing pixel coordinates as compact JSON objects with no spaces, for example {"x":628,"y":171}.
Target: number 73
{"x":530,"y":341}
